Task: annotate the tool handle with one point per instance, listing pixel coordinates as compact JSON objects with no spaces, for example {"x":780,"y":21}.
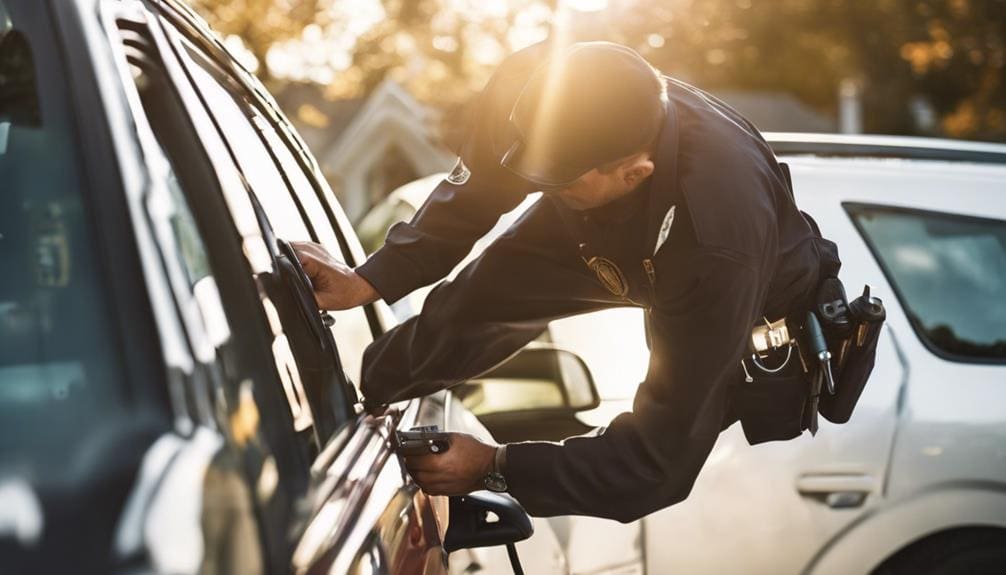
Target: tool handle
{"x":815,"y":335}
{"x":867,"y":309}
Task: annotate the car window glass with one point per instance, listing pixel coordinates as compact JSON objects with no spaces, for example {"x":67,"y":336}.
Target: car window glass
{"x":950,"y":274}
{"x":62,"y":390}
{"x":189,"y":243}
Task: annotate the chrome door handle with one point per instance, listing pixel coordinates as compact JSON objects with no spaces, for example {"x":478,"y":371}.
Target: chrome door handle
{"x":836,"y":490}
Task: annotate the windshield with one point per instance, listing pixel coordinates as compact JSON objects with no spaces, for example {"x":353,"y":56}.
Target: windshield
{"x":63,"y":402}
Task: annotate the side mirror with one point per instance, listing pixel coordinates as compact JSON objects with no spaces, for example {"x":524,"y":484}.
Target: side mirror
{"x":485,"y":519}
{"x":539,"y":380}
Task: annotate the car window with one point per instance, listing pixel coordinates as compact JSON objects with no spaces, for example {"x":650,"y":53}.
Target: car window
{"x":273,"y":173}
{"x":190,"y":248}
{"x":949,"y":272}
{"x":62,"y":385}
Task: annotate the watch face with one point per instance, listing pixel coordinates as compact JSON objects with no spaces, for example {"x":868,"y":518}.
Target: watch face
{"x":495,"y":482}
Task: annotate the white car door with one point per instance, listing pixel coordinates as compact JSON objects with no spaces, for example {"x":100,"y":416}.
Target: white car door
{"x":939,"y":231}
{"x":770,"y":508}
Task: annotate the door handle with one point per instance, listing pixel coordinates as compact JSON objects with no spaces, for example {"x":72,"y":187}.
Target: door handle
{"x":836,"y":490}
{"x":304,"y":292}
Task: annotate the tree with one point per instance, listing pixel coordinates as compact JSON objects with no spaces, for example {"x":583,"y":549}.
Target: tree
{"x":261,"y":24}
{"x":947,"y":54}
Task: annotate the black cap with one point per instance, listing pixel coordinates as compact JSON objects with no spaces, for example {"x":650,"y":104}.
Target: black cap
{"x":590,"y":104}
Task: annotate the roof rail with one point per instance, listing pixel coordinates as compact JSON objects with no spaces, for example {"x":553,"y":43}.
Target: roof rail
{"x":902,"y":147}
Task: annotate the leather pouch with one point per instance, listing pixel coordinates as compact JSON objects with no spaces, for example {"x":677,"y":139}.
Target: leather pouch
{"x":771,"y":406}
{"x":853,"y":374}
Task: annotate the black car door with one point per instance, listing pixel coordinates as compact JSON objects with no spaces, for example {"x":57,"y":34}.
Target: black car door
{"x":250,"y":416}
{"x":276,"y":402}
{"x":359,"y":509}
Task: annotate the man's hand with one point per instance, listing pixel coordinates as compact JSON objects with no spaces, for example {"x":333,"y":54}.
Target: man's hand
{"x":461,"y":469}
{"x":336,"y":285}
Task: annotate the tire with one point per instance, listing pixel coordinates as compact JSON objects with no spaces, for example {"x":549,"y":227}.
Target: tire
{"x":971,"y":551}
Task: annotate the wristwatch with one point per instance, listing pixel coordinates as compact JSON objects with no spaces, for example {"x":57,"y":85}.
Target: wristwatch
{"x":494,"y":480}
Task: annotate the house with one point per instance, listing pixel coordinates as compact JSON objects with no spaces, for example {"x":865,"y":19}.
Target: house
{"x":367,"y":148}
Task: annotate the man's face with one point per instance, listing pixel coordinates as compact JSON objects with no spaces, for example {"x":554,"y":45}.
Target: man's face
{"x":596,"y":188}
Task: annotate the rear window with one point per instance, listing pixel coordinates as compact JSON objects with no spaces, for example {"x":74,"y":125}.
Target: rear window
{"x":949,"y":272}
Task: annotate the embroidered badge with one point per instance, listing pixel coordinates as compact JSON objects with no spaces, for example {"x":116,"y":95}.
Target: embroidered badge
{"x":609,"y":275}
{"x":665,"y":229}
{"x":459,"y":173}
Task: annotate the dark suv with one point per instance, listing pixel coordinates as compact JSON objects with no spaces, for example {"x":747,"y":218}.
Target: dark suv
{"x":171,"y":400}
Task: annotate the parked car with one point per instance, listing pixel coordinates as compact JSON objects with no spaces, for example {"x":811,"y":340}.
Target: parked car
{"x":171,"y":400}
{"x":916,"y":481}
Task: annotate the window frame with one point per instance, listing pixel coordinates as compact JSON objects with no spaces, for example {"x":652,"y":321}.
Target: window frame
{"x":855,"y":209}
{"x":200,"y":379}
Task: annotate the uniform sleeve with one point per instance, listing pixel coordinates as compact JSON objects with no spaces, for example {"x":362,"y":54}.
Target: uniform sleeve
{"x":456,"y":215}
{"x":648,"y":459}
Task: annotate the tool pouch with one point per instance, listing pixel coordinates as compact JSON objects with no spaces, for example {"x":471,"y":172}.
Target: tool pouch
{"x":854,"y":357}
{"x":770,"y":406}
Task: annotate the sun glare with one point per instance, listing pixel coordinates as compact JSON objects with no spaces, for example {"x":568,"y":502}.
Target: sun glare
{"x":584,"y":5}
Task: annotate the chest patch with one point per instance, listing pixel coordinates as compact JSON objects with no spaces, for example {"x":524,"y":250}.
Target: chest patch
{"x":609,"y":275}
{"x":459,"y":173}
{"x":665,"y":229}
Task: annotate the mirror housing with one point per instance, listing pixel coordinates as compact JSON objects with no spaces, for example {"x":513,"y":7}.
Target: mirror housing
{"x":471,"y":525}
{"x":540,"y":379}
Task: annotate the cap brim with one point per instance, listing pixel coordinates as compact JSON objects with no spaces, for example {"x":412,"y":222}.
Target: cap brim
{"x":538,"y":171}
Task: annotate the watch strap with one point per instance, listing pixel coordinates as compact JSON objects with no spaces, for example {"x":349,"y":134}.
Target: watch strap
{"x":499,"y":459}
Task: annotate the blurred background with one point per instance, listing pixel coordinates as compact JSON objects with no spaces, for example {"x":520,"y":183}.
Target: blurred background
{"x":379,"y":88}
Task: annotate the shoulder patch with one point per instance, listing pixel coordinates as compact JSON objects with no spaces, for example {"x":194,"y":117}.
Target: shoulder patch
{"x":459,"y":173}
{"x":665,"y":229}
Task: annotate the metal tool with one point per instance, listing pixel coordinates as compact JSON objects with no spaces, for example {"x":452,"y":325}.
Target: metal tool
{"x":422,"y":441}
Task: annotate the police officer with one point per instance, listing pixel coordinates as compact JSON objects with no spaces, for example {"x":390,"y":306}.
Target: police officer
{"x":656,"y":195}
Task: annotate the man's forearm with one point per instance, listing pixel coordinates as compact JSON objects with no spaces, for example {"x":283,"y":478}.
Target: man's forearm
{"x":612,"y":475}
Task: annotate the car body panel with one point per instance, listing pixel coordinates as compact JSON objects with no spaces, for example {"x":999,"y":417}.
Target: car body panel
{"x":543,"y":552}
{"x":868,"y":542}
{"x":368,"y":514}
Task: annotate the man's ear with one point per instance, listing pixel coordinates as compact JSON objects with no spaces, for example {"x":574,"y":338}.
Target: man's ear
{"x":638,"y":171}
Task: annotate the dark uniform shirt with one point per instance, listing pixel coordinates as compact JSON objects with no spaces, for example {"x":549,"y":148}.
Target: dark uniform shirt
{"x":737,"y":250}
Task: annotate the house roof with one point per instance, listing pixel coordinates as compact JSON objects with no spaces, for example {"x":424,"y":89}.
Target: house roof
{"x":318,"y":119}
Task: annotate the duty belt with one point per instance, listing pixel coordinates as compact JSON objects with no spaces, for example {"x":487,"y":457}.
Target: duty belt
{"x":834,"y":341}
